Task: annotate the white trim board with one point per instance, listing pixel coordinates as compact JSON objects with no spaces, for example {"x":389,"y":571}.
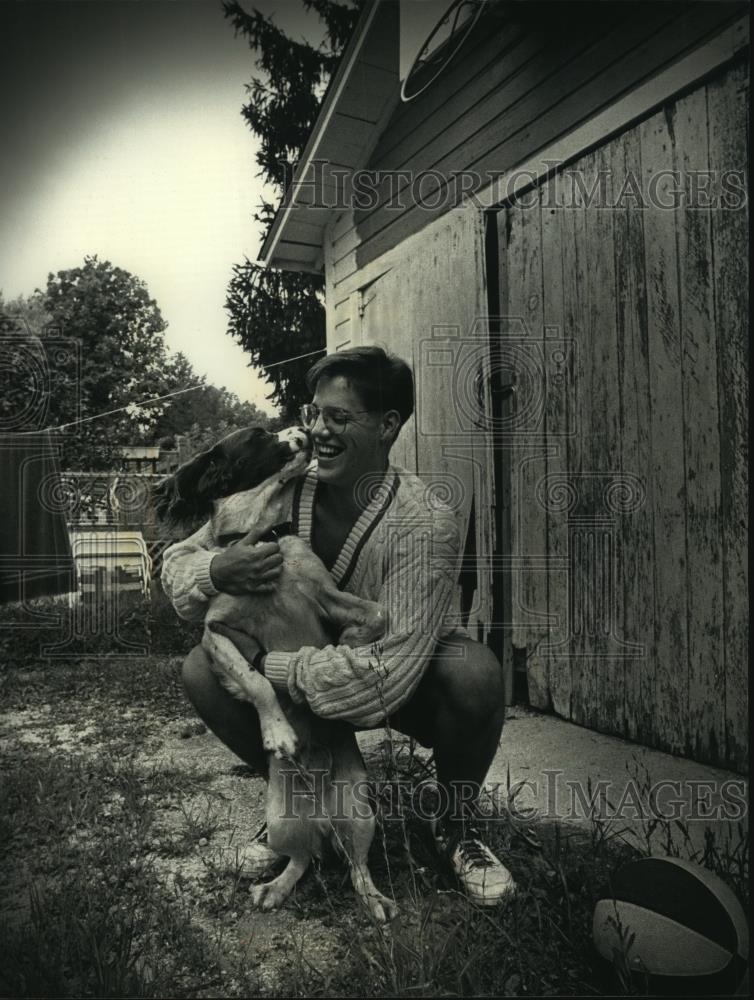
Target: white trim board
{"x":639,"y":102}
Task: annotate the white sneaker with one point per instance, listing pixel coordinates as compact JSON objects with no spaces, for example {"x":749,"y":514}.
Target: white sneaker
{"x":483,"y":876}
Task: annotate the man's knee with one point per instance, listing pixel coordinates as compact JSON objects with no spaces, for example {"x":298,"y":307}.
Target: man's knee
{"x":471,"y":680}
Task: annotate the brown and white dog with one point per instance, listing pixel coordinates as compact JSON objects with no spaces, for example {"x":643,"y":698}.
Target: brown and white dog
{"x":244,"y":484}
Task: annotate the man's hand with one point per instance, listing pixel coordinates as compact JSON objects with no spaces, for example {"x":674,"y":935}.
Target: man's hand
{"x":247,"y":567}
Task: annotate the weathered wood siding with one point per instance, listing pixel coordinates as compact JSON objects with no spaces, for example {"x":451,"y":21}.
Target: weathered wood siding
{"x":526,"y":76}
{"x":629,"y":494}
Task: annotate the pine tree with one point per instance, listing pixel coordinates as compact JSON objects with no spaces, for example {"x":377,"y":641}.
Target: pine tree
{"x":276,"y":315}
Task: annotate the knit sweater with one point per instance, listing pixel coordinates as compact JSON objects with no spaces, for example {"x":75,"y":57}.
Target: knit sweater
{"x":403,"y":552}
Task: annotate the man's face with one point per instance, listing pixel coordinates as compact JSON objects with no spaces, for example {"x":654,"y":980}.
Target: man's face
{"x":344,"y":456}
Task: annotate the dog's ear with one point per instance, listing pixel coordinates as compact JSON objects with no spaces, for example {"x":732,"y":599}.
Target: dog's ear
{"x":184,"y":495}
{"x":214,"y":480}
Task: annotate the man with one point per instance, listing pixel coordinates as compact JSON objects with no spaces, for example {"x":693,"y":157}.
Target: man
{"x":369,"y":522}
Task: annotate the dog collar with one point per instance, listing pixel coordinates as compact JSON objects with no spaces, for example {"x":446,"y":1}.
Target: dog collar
{"x":279,"y":531}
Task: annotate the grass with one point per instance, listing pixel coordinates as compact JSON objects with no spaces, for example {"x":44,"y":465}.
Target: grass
{"x":122,"y":625}
{"x":112,"y":888}
{"x":98,"y":923}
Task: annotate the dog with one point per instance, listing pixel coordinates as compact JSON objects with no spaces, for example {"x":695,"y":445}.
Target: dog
{"x":316,"y":776}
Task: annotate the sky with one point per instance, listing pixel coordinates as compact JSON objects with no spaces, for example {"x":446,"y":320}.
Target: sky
{"x":122,"y":137}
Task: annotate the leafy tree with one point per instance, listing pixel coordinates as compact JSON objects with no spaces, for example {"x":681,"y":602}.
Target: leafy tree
{"x":202,"y":415}
{"x":28,"y":315}
{"x":280,"y":314}
{"x":178,"y":412}
{"x":121,"y":334}
{"x":123,"y":361}
{"x":22,"y":358}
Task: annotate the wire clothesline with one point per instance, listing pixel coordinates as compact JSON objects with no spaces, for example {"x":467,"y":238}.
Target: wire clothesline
{"x":158,"y":399}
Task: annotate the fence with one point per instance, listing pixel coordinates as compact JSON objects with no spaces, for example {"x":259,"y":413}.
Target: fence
{"x":115,"y":534}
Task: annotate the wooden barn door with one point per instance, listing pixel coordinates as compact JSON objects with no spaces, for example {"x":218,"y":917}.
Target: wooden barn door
{"x":626,"y":326}
{"x":426,"y":301}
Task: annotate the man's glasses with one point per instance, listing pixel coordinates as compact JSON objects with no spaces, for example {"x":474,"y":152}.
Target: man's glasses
{"x":335,"y":418}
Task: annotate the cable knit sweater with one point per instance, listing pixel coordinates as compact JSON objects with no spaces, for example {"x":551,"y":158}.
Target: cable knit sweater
{"x":403,"y":552}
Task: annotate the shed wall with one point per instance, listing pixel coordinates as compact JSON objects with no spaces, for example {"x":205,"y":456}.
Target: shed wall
{"x":629,"y":491}
{"x":528,"y":74}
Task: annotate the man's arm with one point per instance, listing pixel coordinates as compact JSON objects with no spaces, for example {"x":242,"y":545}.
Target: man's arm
{"x":195,"y":570}
{"x":186,"y":577}
{"x":358,"y":685}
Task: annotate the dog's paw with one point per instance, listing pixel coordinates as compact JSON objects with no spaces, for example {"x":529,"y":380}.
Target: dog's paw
{"x":268,"y":896}
{"x":278,"y":738}
{"x":365,"y":631}
{"x":382,"y":909}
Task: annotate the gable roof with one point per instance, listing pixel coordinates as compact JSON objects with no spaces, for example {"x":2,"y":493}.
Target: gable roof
{"x":359,"y":100}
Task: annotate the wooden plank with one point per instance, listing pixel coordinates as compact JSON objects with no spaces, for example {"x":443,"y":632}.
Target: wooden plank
{"x":544,"y":111}
{"x":345,"y":131}
{"x":557,"y":424}
{"x":484,"y":456}
{"x":339,"y":327}
{"x":704,"y":565}
{"x":635,"y":534}
{"x":425,"y":308}
{"x":307,"y":226}
{"x":445,"y":288}
{"x":667,"y":468}
{"x":481,"y":439}
{"x":368,"y":93}
{"x":342,"y":225}
{"x":605,"y":418}
{"x":296,"y":256}
{"x":339,"y":224}
{"x":331,"y":306}
{"x":597,"y":673}
{"x":378,"y":326}
{"x":504,"y":458}
{"x":523,"y":258}
{"x":576,"y":265}
{"x":381,"y":46}
{"x":345,"y":247}
{"x":728,"y":108}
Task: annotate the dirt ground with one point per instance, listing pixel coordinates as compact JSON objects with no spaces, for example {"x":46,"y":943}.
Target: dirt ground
{"x":228,"y":798}
{"x":124,"y":824}
{"x":213,"y":815}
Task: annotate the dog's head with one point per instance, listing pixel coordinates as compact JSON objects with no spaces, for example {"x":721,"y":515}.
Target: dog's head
{"x":238,"y":462}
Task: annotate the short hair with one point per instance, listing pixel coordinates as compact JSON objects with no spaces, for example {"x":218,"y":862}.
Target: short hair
{"x":383,"y":381}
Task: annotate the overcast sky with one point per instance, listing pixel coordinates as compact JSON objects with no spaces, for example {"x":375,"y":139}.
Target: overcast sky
{"x":122,"y":137}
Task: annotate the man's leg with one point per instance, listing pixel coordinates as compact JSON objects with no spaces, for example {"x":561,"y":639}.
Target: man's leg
{"x":458,"y":709}
{"x":234,"y":722}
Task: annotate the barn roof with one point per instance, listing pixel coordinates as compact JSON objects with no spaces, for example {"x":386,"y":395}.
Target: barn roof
{"x":359,"y":101}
